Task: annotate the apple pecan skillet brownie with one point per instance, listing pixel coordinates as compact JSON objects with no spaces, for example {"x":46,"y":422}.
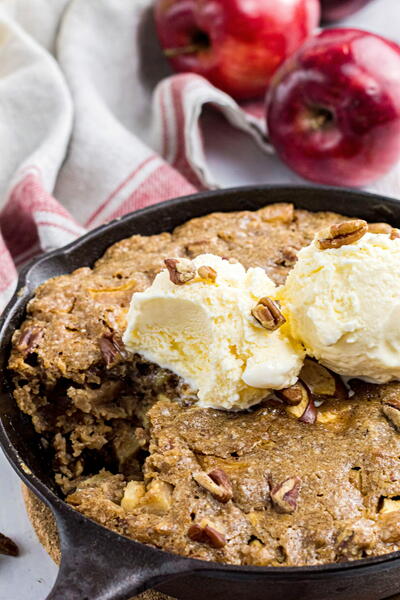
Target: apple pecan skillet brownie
{"x":131,"y":450}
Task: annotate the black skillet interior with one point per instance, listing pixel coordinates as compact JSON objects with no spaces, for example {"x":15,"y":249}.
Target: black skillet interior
{"x":26,"y":454}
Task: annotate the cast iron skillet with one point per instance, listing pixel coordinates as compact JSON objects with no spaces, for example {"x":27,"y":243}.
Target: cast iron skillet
{"x":98,"y":564}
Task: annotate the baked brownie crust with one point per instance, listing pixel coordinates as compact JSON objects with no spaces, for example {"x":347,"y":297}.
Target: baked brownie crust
{"x":109,"y":418}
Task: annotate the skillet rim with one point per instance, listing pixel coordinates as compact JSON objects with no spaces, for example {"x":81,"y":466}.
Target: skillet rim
{"x":22,"y":295}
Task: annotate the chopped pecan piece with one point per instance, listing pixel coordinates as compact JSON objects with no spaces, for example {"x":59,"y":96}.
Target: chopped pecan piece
{"x":384,"y":228}
{"x":300,"y":402}
{"x":284,"y":495}
{"x":391,"y":410}
{"x":268,"y":314}
{"x":288,"y":257}
{"x":196,"y":533}
{"x":111,"y":347}
{"x":220,"y":478}
{"x":321,"y":381}
{"x":342,"y":234}
{"x":206,"y":272}
{"x":294,"y":394}
{"x":310,"y":414}
{"x":277,"y":213}
{"x":181,"y":270}
{"x":205,"y":534}
{"x":325,"y":385}
{"x":28,"y":340}
{"x":7,"y":546}
{"x":379,"y":228}
{"x":217,"y":483}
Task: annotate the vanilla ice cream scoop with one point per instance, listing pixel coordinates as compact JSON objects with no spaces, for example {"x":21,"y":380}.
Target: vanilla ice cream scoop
{"x":195,"y":319}
{"x":343,"y":304}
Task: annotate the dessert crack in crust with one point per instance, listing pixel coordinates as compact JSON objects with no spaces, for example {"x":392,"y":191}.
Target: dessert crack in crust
{"x":288,"y":482}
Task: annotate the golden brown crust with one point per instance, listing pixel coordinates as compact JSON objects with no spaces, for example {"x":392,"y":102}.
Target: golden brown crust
{"x":43,"y":523}
{"x":302,"y":492}
{"x":45,"y":528}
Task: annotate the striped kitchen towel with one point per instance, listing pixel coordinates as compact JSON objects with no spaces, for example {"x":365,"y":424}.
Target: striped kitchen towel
{"x":92,"y":123}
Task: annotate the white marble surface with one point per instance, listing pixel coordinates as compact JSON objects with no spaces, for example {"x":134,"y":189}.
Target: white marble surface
{"x":238,"y":162}
{"x":31,"y":575}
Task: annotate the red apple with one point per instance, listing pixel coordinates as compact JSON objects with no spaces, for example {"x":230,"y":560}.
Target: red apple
{"x":333,"y":10}
{"x":235,"y":44}
{"x":333,"y":109}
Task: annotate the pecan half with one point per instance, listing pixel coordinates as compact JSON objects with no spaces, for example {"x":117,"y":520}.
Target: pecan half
{"x":181,"y":270}
{"x":217,"y":483}
{"x":342,"y":234}
{"x":7,"y":546}
{"x":205,"y":534}
{"x":28,"y":340}
{"x":268,"y":314}
{"x":391,"y":410}
{"x":111,"y":347}
{"x":206,"y":272}
{"x":284,"y":495}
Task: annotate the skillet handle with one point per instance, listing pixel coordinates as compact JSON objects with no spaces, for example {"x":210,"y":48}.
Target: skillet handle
{"x":96,"y":564}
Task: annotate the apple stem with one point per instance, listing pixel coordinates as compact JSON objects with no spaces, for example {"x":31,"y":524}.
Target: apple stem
{"x":190,"y":49}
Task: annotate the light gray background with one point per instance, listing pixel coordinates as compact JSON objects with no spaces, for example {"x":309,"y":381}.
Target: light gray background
{"x":30,"y":576}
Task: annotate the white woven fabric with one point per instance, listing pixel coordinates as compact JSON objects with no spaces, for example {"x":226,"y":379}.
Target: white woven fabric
{"x":87,"y":133}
